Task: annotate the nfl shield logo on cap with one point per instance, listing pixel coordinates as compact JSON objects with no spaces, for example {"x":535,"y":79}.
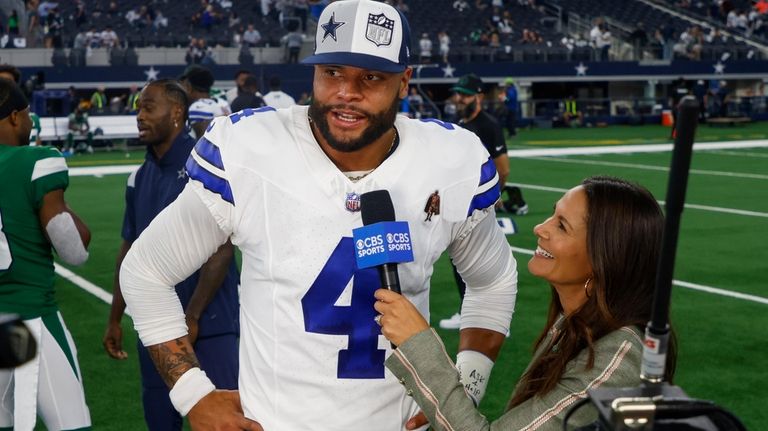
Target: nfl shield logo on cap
{"x":362,"y":33}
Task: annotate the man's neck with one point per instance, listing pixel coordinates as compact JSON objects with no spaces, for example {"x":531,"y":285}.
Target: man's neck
{"x":161,"y":149}
{"x":364,"y":159}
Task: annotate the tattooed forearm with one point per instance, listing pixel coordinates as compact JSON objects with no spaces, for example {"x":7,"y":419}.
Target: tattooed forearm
{"x":172,"y":359}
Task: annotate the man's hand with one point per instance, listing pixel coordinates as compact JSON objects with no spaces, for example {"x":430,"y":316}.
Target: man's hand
{"x":416,"y":422}
{"x":220,"y":411}
{"x":113,"y":341}
{"x":192,"y":329}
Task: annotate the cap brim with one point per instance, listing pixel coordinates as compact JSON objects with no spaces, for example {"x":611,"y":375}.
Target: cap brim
{"x":463,"y":90}
{"x":363,"y":61}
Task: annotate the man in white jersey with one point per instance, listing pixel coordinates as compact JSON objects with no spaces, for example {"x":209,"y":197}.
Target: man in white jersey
{"x":311,"y":352}
{"x":276,"y":97}
{"x":198,"y":80}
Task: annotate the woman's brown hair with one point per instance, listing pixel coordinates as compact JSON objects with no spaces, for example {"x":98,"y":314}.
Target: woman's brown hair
{"x":624,"y":229}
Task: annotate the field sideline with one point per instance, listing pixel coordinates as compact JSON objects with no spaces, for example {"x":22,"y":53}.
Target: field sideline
{"x":721,"y":251}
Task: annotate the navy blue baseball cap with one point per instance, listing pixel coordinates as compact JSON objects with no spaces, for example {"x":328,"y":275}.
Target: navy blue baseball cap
{"x":362,"y":33}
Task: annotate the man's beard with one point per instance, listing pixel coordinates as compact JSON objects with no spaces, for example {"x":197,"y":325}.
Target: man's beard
{"x":378,"y":125}
{"x":469,"y":110}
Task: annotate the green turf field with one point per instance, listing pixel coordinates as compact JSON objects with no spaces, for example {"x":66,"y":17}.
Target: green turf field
{"x":723,"y":244}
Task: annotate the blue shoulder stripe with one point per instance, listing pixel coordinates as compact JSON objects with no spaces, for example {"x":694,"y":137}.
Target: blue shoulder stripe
{"x":484,"y":199}
{"x":209,"y":152}
{"x":487,"y":171}
{"x":209,"y":180}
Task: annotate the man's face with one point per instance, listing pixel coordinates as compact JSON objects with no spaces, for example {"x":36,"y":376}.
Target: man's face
{"x":353,"y":107}
{"x":154,"y":118}
{"x":466,"y":104}
{"x":240,"y":80}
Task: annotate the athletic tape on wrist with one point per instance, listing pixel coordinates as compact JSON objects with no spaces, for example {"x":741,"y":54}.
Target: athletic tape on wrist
{"x":474,"y":370}
{"x":191,"y":387}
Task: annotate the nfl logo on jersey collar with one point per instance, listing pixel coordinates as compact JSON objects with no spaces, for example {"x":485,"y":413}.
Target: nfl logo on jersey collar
{"x":362,"y":33}
{"x":352,"y":202}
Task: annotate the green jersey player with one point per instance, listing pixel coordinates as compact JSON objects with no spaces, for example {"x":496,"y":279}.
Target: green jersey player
{"x":34,"y":221}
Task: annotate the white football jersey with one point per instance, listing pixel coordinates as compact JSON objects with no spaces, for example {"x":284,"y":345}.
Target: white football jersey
{"x":207,"y":110}
{"x":311,"y":354}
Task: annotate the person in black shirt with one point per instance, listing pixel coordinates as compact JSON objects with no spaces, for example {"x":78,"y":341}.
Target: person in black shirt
{"x":678,"y":90}
{"x":468,"y":96}
{"x":249,"y":97}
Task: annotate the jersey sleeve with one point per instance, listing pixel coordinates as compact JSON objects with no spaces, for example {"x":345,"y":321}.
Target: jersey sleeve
{"x":487,"y":192}
{"x":49,"y":172}
{"x":209,"y":177}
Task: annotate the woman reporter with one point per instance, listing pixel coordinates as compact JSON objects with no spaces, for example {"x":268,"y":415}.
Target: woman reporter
{"x":599,"y":253}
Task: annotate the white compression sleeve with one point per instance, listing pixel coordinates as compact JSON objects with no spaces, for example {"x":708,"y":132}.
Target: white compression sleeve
{"x":484,"y":259}
{"x":65,"y":238}
{"x":177,"y":243}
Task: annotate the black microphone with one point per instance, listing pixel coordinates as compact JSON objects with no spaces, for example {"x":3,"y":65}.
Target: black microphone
{"x":17,"y":345}
{"x":376,"y":207}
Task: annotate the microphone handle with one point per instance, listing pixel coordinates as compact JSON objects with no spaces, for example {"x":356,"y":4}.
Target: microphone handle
{"x":389,"y":280}
{"x":389,"y":277}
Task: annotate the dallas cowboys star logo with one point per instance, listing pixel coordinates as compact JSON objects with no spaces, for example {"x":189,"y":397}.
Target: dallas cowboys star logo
{"x":719,"y":68}
{"x":330,"y":27}
{"x":151,"y":73}
{"x":581,"y":69}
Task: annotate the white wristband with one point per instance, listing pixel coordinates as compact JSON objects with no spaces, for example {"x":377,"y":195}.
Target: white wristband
{"x":474,"y":370}
{"x":191,"y":387}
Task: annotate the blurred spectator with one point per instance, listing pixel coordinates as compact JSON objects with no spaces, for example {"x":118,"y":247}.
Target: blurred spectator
{"x":113,"y":10}
{"x":109,"y":38}
{"x":13,"y":24}
{"x":99,"y":101}
{"x":639,"y":39}
{"x":415,"y":103}
{"x":55,"y":25}
{"x":74,"y":99}
{"x":425,"y":48}
{"x":233,"y":20}
{"x":194,"y":54}
{"x":78,"y":125}
{"x":80,"y":42}
{"x":132,"y":101}
{"x":445,"y":45}
{"x":93,"y":38}
{"x":44,"y":8}
{"x":81,"y":16}
{"x":208,"y":18}
{"x":571,"y":115}
{"x":690,"y":43}
{"x":292,"y":43}
{"x":133,"y":17}
{"x":240,"y":77}
{"x":160,"y":22}
{"x":506,"y":25}
{"x":252,"y":37}
{"x":277,"y":98}
{"x":34,"y":27}
{"x":301,"y":11}
{"x":249,"y":98}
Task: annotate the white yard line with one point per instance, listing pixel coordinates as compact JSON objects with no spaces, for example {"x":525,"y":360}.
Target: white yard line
{"x":651,"y":167}
{"x":623,"y":149}
{"x":98,"y":171}
{"x":694,"y":286}
{"x":84,"y":284}
{"x":690,"y":206}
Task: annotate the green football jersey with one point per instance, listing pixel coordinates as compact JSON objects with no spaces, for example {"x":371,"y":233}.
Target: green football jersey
{"x":26,"y":258}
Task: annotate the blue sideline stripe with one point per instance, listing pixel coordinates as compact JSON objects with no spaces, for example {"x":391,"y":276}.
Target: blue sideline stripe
{"x":484,"y":199}
{"x":209,"y":152}
{"x":209,"y":180}
{"x":487,"y":171}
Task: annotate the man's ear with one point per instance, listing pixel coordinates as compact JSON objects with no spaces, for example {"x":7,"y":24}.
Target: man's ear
{"x":14,"y":118}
